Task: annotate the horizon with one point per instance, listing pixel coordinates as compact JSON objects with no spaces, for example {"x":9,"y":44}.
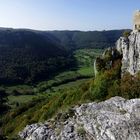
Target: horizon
{"x":80,"y":15}
{"x":6,"y":28}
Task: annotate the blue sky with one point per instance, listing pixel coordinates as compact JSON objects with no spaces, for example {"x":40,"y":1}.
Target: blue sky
{"x":68,"y":14}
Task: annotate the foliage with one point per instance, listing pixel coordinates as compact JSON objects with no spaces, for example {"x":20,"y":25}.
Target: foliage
{"x":84,"y":70}
{"x":74,"y":40}
{"x":130,"y":86}
{"x":109,"y":83}
{"x":81,"y":131}
{"x":100,"y":64}
{"x":126,"y":33}
{"x":45,"y":107}
{"x":104,"y":80}
{"x":114,"y":89}
{"x":106,"y":61}
{"x":29,"y":57}
{"x":3,"y":99}
{"x":20,"y":89}
{"x":15,"y":101}
{"x":86,"y":57}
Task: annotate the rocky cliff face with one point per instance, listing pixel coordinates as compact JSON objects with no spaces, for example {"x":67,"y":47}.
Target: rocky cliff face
{"x":114,"y":119}
{"x":130,"y":50}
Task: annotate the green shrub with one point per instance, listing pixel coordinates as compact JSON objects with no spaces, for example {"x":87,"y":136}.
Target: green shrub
{"x":126,"y":34}
{"x":105,"y":80}
{"x":114,"y":89}
{"x":15,"y":92}
{"x":81,"y":131}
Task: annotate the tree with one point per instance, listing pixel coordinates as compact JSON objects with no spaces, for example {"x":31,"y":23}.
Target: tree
{"x":3,"y":99}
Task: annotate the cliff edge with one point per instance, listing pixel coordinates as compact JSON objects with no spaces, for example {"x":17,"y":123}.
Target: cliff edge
{"x":129,"y":48}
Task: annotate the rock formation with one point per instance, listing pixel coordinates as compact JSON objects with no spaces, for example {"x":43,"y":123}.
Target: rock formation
{"x":106,"y":61}
{"x":129,"y":47}
{"x":113,"y":119}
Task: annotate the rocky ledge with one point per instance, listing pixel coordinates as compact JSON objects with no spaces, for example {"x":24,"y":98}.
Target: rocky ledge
{"x":113,"y":119}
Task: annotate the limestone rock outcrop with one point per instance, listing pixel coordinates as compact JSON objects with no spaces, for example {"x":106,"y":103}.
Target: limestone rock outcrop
{"x":113,"y":119}
{"x":130,"y":50}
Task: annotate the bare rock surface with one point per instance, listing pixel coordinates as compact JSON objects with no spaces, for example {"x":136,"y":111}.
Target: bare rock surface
{"x":130,"y":50}
{"x":113,"y":119}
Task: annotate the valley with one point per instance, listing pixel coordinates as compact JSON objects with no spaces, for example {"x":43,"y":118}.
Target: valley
{"x":20,"y":94}
{"x":69,"y":70}
{"x":56,"y":80}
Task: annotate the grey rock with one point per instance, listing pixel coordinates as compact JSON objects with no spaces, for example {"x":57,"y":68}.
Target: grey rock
{"x":130,"y":50}
{"x":113,"y":119}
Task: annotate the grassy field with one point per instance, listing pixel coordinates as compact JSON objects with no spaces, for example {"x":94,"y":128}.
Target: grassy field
{"x":14,"y":101}
{"x":69,"y":85}
{"x":86,"y":71}
{"x":21,"y":98}
{"x":86,"y":57}
{"x":21,"y":89}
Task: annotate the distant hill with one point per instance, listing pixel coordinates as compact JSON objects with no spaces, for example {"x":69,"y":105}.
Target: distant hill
{"x":31,"y":56}
{"x":90,"y":39}
{"x":27,"y":56}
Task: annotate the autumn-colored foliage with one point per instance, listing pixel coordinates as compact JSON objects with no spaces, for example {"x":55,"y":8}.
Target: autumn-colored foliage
{"x":130,"y":86}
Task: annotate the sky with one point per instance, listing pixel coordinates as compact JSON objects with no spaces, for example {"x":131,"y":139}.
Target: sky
{"x":82,"y":15}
